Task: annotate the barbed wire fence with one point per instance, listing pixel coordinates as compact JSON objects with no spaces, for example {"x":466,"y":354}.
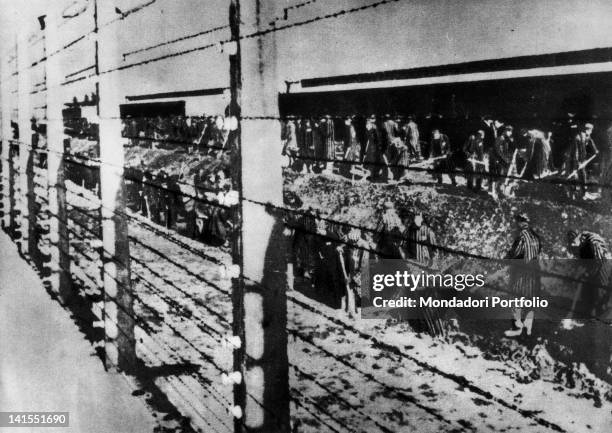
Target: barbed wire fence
{"x":227,"y":345}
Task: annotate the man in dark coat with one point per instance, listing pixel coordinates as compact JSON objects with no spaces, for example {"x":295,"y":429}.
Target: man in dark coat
{"x":390,"y":133}
{"x":356,"y":262}
{"x":168,"y":199}
{"x":488,"y":126}
{"x":412,"y":138}
{"x":605,"y":173}
{"x":352,"y":148}
{"x":373,"y":154}
{"x":581,"y":148}
{"x":291,"y":148}
{"x":307,"y":151}
{"x":538,"y":150}
{"x":474,"y":150}
{"x":440,"y":150}
{"x":592,"y":250}
{"x":420,"y":246}
{"x":389,"y":239}
{"x":564,"y":132}
{"x":420,"y":240}
{"x":500,"y":158}
{"x":329,"y":274}
{"x":328,"y":137}
{"x":148,"y":204}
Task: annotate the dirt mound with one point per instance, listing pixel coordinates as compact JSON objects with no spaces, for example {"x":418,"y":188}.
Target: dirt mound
{"x":462,"y":220}
{"x":176,"y":162}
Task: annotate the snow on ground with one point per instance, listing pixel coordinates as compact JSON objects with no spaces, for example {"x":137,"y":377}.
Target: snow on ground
{"x":345,"y":375}
{"x":366,"y":375}
{"x":47,"y":365}
{"x":189,"y":320}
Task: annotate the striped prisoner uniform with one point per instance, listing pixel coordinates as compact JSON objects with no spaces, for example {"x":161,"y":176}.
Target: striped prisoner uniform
{"x":593,"y":246}
{"x":594,"y":251}
{"x":328,"y":136}
{"x":420,"y":245}
{"x":525,"y":278}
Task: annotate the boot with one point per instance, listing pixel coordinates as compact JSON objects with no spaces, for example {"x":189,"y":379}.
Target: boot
{"x":517,"y":331}
{"x":529,"y":322}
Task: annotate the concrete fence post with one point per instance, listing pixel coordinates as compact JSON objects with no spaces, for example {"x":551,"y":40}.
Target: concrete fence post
{"x":118,"y":300}
{"x":5,"y":99}
{"x":263,"y":323}
{"x":59,"y":279}
{"x":25,"y":174}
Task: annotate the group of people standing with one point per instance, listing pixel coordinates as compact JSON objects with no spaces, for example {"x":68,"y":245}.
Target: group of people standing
{"x":493,"y":155}
{"x":203,"y":134}
{"x":203,"y":205}
{"x":334,"y":258}
{"x":591,"y":280}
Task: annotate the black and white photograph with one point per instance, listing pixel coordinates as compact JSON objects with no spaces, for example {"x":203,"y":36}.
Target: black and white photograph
{"x":306,"y":216}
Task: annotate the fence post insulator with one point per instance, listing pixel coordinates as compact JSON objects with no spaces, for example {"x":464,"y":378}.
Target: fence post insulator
{"x":232,"y":378}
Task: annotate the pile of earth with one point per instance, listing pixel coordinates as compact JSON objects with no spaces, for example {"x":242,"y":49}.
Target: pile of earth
{"x":176,"y":162}
{"x":477,"y":224}
{"x":462,"y":220}
{"x":84,"y":148}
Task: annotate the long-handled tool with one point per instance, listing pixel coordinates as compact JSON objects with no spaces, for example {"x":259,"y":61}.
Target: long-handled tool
{"x":475,"y":161}
{"x":581,"y":166}
{"x":507,"y":187}
{"x":512,"y":167}
{"x":429,"y":161}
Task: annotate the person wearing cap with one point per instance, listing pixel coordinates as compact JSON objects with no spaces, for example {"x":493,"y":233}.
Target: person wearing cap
{"x":330,"y":274}
{"x":420,"y":240}
{"x":352,"y":147}
{"x":605,"y":173}
{"x":140,"y":187}
{"x":488,"y":126}
{"x":329,"y":142}
{"x":524,"y":273}
{"x":401,"y":160}
{"x":391,"y":133}
{"x":538,"y":150}
{"x":372,"y":160}
{"x":356,"y":261}
{"x":474,"y":150}
{"x":420,"y":246}
{"x":167,"y":199}
{"x":440,"y":148}
{"x":300,"y":125}
{"x":565,"y":130}
{"x":317,"y":144}
{"x":581,"y":148}
{"x":389,"y":233}
{"x":411,"y":131}
{"x":500,"y":158}
{"x":594,"y":255}
{"x":291,"y":148}
{"x":307,"y":144}
{"x":347,"y":135}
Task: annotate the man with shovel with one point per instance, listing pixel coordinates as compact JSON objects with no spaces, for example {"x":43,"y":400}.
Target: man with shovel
{"x":502,"y":160}
{"x":582,"y":151}
{"x":477,"y":164}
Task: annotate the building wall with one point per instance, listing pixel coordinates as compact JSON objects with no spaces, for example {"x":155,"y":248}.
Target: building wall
{"x":415,"y":33}
{"x":396,"y":35}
